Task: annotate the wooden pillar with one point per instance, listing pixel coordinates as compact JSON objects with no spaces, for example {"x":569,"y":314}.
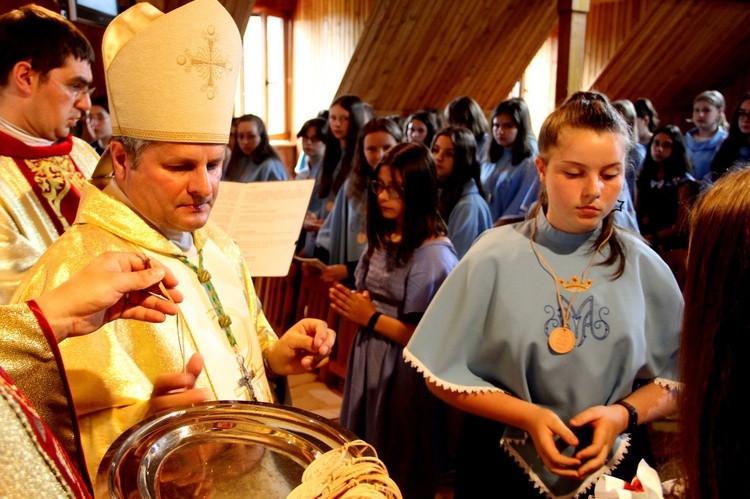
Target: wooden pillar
{"x":570,"y":49}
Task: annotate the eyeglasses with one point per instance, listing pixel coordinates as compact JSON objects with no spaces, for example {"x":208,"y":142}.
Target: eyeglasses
{"x":96,"y":118}
{"x":742,"y":113}
{"x":393,"y":191}
{"x":77,"y":91}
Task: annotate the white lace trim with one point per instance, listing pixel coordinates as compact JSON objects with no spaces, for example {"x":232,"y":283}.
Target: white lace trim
{"x":429,"y":376}
{"x":591,"y":479}
{"x":668,"y":384}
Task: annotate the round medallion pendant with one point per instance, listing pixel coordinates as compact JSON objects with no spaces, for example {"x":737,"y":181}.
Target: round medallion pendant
{"x":361,"y":238}
{"x":562,"y":340}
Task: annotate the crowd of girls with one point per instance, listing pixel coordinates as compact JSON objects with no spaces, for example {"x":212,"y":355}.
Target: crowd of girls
{"x":556,"y":385}
{"x":556,"y":334}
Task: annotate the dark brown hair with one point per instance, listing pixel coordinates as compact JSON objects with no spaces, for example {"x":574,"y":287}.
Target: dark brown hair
{"x":523,"y":147}
{"x":361,"y":171}
{"x":261,"y":153}
{"x":465,"y":167}
{"x":465,"y":111}
{"x":354,"y":105}
{"x":42,"y":37}
{"x":421,"y":218}
{"x":645,"y":109}
{"x":430,"y":121}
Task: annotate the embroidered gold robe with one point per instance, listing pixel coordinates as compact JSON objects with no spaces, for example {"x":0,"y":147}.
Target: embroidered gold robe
{"x":33,"y":462}
{"x":39,"y":194}
{"x":112,"y":371}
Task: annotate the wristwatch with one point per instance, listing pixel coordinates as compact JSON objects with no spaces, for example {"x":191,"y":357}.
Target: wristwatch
{"x":632,"y":416}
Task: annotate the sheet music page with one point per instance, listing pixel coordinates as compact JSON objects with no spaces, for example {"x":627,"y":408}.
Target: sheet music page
{"x":265,"y":220}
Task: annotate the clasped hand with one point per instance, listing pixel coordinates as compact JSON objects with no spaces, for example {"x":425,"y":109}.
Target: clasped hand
{"x":545,"y":425}
{"x":350,"y":304}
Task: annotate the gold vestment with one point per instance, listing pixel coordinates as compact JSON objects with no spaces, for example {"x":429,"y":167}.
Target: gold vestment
{"x":26,"y":228}
{"x":111,"y":372}
{"x":25,"y":351}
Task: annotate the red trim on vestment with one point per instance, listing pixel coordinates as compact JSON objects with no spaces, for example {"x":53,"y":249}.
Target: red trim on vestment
{"x":45,"y":440}
{"x":52,"y":340}
{"x":11,"y":146}
{"x":47,"y":185}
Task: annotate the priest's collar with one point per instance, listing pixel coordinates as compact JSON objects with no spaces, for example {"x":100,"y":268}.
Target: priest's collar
{"x":22,"y":135}
{"x":183,"y":240}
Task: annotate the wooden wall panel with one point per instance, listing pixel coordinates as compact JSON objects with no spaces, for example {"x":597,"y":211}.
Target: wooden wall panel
{"x":735,"y":90}
{"x":608,"y":24}
{"x":538,"y":84}
{"x":325,"y":35}
{"x":404,"y":54}
{"x":678,"y":49}
{"x":420,"y":54}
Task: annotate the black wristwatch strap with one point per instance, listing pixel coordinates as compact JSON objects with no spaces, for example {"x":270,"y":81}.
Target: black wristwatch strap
{"x":371,"y":323}
{"x":633,"y":415}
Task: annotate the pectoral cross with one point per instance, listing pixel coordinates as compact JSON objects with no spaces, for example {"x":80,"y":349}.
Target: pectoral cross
{"x":247,"y":377}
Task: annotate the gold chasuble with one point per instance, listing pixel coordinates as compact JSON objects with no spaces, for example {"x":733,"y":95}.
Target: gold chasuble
{"x":111,"y":372}
{"x":40,"y":188}
{"x":28,"y":348}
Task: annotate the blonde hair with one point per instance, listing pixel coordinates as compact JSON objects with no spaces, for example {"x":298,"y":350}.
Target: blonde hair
{"x":587,"y":111}
{"x":716,"y":99}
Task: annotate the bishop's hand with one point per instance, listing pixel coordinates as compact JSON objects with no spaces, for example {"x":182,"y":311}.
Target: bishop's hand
{"x":177,"y":389}
{"x":303,"y":348}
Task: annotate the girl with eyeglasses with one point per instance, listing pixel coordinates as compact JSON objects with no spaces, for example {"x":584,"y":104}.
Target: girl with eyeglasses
{"x":462,"y":199}
{"x":664,"y":191}
{"x":736,"y":148}
{"x":408,"y":256}
{"x":559,"y":334}
{"x":342,"y":237}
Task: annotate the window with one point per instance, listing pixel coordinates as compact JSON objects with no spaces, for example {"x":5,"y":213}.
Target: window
{"x":262,"y":89}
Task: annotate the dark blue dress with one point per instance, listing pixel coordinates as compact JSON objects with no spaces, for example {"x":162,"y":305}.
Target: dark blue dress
{"x":386,"y":402}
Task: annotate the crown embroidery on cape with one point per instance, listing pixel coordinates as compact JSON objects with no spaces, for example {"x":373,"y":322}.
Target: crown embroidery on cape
{"x":576,"y":284}
{"x":208,"y":62}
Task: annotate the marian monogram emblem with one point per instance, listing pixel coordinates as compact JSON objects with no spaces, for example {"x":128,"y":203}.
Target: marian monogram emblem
{"x":208,"y":63}
{"x":586,"y":320}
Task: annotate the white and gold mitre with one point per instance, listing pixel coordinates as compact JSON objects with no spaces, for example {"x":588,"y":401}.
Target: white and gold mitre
{"x":171,"y":77}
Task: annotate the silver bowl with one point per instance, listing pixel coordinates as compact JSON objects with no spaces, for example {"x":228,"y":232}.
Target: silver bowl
{"x":218,"y":450}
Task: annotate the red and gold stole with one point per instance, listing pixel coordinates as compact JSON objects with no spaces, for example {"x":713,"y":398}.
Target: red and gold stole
{"x":42,"y":437}
{"x":52,"y":174}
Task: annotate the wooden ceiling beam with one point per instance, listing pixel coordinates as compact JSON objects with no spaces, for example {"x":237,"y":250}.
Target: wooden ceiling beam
{"x":571,"y":47}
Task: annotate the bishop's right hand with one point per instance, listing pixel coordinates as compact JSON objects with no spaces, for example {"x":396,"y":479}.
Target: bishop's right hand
{"x":178,"y":389}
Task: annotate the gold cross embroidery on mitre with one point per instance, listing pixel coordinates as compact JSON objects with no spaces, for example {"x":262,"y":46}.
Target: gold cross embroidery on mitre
{"x":208,"y":62}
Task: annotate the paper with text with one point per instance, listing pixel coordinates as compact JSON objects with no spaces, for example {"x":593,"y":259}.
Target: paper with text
{"x":265,"y":220}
